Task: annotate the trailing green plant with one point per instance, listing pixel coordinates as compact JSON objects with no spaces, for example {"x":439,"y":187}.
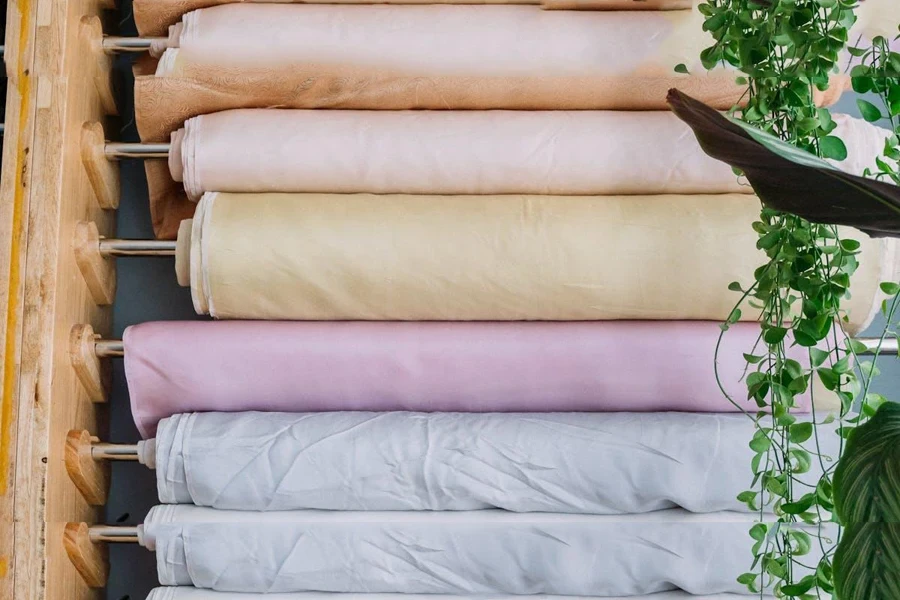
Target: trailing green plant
{"x":786,"y":50}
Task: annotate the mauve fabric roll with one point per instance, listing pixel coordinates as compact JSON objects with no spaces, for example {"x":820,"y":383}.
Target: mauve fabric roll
{"x":447,"y":152}
{"x":490,"y":258}
{"x":580,"y":463}
{"x":426,"y":57}
{"x":179,"y":367}
{"x":192,"y":593}
{"x":470,"y":552}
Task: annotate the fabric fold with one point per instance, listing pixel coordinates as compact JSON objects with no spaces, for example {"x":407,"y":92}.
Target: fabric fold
{"x":426,"y":57}
{"x":582,"y":463}
{"x":489,"y":258}
{"x":472,"y":552}
{"x":182,"y":367}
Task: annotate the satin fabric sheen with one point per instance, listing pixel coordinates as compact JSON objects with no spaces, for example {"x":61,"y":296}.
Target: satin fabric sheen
{"x":488,"y":258}
{"x":425,"y":57}
{"x":584,"y":463}
{"x":192,"y":593}
{"x":153,"y":17}
{"x":447,"y":152}
{"x":471,"y":552}
{"x":179,"y":367}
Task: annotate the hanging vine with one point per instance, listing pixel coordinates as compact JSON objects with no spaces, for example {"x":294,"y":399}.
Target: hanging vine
{"x":786,"y":51}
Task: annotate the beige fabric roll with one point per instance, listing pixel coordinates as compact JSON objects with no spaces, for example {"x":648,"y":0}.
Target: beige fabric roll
{"x":557,"y":258}
{"x":425,"y":57}
{"x":153,"y":17}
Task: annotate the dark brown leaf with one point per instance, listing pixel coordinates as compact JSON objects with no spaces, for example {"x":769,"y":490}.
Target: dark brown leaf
{"x":803,"y":184}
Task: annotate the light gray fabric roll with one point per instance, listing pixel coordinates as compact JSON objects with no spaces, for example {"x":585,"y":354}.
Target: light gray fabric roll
{"x":473,"y":552}
{"x":192,"y":593}
{"x":594,"y":463}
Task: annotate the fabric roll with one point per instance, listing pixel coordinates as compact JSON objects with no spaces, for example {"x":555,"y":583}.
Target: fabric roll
{"x":489,"y":258}
{"x":585,"y":463}
{"x":426,"y":57}
{"x":154,"y":17}
{"x":192,"y":593}
{"x":480,"y":152}
{"x":473,"y":552}
{"x":182,"y":367}
{"x":446,"y":152}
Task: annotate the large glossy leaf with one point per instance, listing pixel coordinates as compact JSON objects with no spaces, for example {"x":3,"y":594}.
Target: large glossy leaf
{"x":867,"y":478}
{"x":867,"y":562}
{"x":789,"y":179}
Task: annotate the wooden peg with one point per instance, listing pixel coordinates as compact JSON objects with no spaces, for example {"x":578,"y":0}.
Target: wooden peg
{"x":91,"y":560}
{"x":92,"y":42}
{"x":99,"y":272}
{"x":92,"y":373}
{"x":90,"y":476}
{"x":102,"y":172}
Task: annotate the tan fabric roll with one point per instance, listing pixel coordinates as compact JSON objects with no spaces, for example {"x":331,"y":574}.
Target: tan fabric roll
{"x":462,"y":258}
{"x":425,"y":57}
{"x":153,"y":17}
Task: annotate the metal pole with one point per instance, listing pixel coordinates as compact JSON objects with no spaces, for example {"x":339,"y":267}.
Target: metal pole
{"x":889,"y":346}
{"x":109,"y":348}
{"x":114,"y":451}
{"x":115,"y":247}
{"x":113,"y":533}
{"x":113,"y":44}
{"x":116,"y":150}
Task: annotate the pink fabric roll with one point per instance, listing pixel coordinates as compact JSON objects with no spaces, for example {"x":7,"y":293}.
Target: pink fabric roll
{"x":177,"y":367}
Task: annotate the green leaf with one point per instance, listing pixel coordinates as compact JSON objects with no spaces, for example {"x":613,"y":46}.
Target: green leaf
{"x":681,"y":68}
{"x":867,"y":477}
{"x":819,"y":356}
{"x":774,"y":335}
{"x":758,"y":532}
{"x":735,"y":286}
{"x":867,"y":562}
{"x":890,"y":288}
{"x":833,"y":147}
{"x":869,"y":111}
{"x":800,"y":432}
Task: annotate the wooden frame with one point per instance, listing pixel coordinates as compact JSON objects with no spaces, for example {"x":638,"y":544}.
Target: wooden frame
{"x":58,"y":81}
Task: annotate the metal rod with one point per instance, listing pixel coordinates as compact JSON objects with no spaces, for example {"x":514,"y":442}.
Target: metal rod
{"x":2,"y":128}
{"x":114,"y":451}
{"x":117,"y":150}
{"x":109,"y":348}
{"x":137,"y":247}
{"x":115,"y":348}
{"x":889,"y":346}
{"x":113,"y":44}
{"x":113,"y":533}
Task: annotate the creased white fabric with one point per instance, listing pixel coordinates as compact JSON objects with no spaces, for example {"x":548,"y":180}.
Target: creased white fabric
{"x":192,"y":593}
{"x":472,"y":552}
{"x":594,"y":463}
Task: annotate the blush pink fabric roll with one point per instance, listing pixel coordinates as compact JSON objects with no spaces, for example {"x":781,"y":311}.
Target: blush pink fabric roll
{"x":636,"y":366}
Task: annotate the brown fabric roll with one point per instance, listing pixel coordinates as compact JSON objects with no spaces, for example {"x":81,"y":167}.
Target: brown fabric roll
{"x":162,"y":104}
{"x":169,"y":203}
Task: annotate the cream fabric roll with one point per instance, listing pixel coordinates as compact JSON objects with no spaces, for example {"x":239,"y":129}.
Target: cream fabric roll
{"x":473,"y":552}
{"x":446,"y":152}
{"x":192,"y":593}
{"x":426,"y":57}
{"x":555,"y":258}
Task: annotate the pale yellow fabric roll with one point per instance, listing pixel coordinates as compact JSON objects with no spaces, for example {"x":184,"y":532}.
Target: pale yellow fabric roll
{"x":555,"y":258}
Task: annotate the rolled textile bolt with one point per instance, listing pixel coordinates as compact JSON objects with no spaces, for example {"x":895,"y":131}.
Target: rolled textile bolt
{"x":448,"y":552}
{"x":192,"y":593}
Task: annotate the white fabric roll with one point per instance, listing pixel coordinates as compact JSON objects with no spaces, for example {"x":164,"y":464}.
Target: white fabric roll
{"x":592,"y":463}
{"x":192,"y":593}
{"x":473,"y":552}
{"x":463,"y":152}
